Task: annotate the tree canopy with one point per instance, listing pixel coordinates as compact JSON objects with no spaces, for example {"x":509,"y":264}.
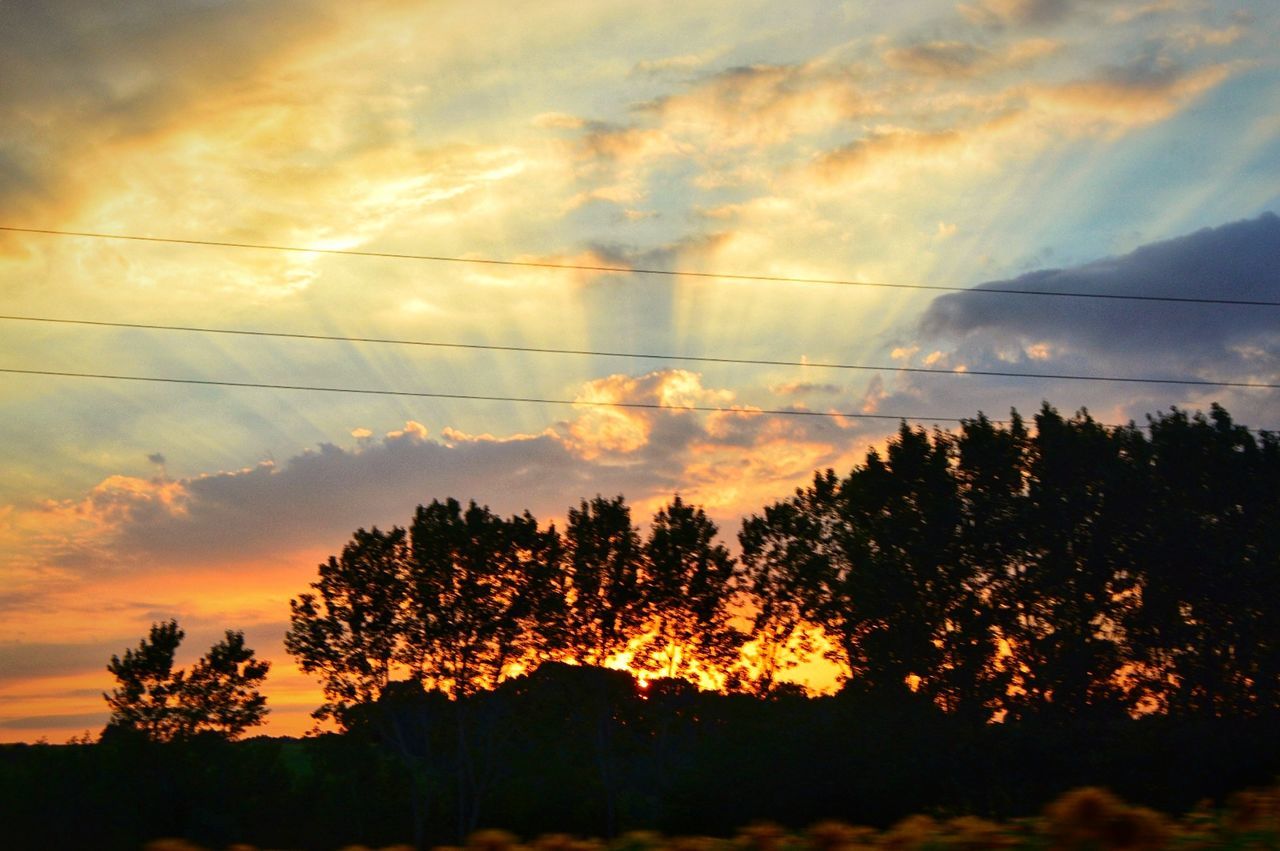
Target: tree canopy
{"x":1051,"y":568}
{"x":218,"y":694}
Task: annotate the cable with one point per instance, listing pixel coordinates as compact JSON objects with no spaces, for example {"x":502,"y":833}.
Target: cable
{"x":675,"y":273}
{"x":479,"y":398}
{"x":641,"y":355}
{"x":654,"y":406}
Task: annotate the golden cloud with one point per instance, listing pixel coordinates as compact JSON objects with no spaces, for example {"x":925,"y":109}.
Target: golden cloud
{"x":965,"y":59}
{"x":602,"y":430}
{"x":763,"y":105}
{"x":1120,"y":101}
{"x":1005,"y":12}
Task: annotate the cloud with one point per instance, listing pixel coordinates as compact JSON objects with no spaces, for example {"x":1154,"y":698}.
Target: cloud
{"x":81,"y":82}
{"x":804,"y":388}
{"x":317,"y":498}
{"x":66,"y":720}
{"x":1149,"y":90}
{"x":1016,"y":12}
{"x":762,"y":105}
{"x":964,"y":59}
{"x":886,"y":155}
{"x":682,"y":64}
{"x":29,"y":660}
{"x":750,"y":107}
{"x":1233,"y":261}
{"x":1125,"y":14}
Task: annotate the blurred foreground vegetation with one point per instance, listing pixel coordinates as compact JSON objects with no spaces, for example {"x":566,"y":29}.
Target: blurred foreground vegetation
{"x":1085,"y":818}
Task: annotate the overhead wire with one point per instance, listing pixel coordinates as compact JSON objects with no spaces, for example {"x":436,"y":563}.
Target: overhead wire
{"x":594,"y":353}
{"x":633,"y":270}
{"x":372,"y":391}
{"x":477,"y":397}
{"x":1194,"y":382}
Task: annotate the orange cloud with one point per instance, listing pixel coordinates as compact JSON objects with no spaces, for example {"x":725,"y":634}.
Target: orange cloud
{"x":1120,"y":101}
{"x":599,"y":429}
{"x":966,"y":59}
{"x":1015,"y":12}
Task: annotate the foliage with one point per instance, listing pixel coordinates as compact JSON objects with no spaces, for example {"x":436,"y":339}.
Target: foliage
{"x":218,"y":695}
{"x":348,"y":631}
{"x":1086,"y":818}
{"x":1080,"y":569}
{"x":604,"y":562}
{"x":690,"y":581}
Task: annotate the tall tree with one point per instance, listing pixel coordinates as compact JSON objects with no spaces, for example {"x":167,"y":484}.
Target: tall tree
{"x":876,"y":560}
{"x":350,"y":630}
{"x":1084,"y":484}
{"x":991,"y":475}
{"x":687,"y":591}
{"x":788,"y":557}
{"x":475,"y":586}
{"x":1207,"y":628}
{"x":603,"y":562}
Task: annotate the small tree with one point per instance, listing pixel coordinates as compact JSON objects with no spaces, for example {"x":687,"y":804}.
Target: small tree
{"x":219,"y":695}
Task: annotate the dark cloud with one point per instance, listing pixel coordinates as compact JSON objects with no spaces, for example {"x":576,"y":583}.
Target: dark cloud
{"x":323,"y":495}
{"x":997,"y":13}
{"x":22,"y":660}
{"x":319,"y":497}
{"x":938,"y":58}
{"x":75,"y":720}
{"x":1234,"y":261}
{"x":316,"y":499}
{"x":156,"y":458}
{"x":1118,"y":338}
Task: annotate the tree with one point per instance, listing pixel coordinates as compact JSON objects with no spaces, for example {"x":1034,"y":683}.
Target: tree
{"x":477,"y":588}
{"x":1083,"y":512}
{"x":350,"y":630}
{"x":603,"y":561}
{"x":219,"y":695}
{"x":786,"y":555}
{"x":690,"y":581}
{"x":482,"y":597}
{"x":1207,"y":631}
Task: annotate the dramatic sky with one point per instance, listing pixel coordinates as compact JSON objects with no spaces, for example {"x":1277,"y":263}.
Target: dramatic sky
{"x":1111,"y":146}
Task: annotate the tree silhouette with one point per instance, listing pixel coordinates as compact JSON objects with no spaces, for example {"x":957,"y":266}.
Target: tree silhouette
{"x":603,"y":560}
{"x":350,"y":630}
{"x":787,"y":555}
{"x":690,"y":580}
{"x":1208,"y":631}
{"x":219,"y":695}
{"x":476,"y":586}
{"x":1083,"y":494}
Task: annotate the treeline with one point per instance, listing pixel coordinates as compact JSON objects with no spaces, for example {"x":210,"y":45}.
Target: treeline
{"x":1001,"y":571}
{"x":583,"y":751}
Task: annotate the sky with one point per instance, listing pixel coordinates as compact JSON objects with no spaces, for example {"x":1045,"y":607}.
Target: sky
{"x":1096,"y":146}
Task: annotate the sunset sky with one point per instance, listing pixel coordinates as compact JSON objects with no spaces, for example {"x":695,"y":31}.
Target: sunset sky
{"x":1120,"y":146}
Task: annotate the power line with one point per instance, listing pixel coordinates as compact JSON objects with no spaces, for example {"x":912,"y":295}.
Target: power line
{"x":368,"y":391}
{"x":475,"y":397}
{"x":631,"y":270}
{"x":642,"y":355}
